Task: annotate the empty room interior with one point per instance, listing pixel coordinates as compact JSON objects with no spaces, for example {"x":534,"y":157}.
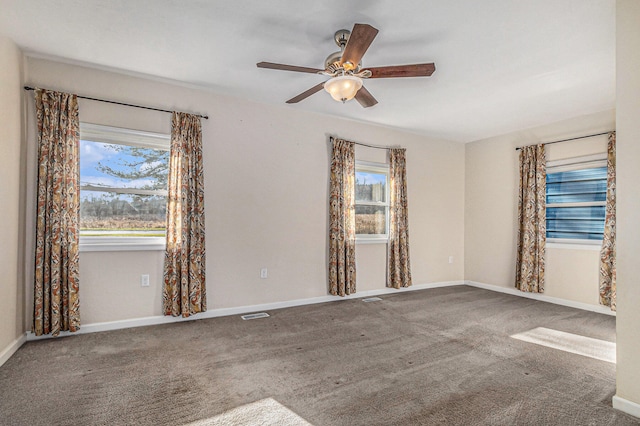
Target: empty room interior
{"x":319,"y":213}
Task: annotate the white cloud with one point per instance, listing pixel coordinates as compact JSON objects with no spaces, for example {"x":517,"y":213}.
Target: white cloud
{"x":113,"y":182}
{"x":102,"y":181}
{"x":138,"y":183}
{"x":92,"y":152}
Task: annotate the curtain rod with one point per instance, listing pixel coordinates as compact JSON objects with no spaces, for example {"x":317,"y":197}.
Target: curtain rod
{"x":370,"y":146}
{"x":206,"y":117}
{"x":572,"y":139}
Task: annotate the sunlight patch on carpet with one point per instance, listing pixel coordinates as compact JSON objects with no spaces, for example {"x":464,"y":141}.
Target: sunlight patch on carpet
{"x":266,"y":412}
{"x":574,"y":343}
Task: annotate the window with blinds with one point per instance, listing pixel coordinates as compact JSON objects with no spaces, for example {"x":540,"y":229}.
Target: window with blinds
{"x":576,"y":197}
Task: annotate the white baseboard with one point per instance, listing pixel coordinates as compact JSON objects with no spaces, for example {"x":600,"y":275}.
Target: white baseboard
{"x":11,"y":349}
{"x":626,"y":406}
{"x":221,"y":312}
{"x":543,"y":298}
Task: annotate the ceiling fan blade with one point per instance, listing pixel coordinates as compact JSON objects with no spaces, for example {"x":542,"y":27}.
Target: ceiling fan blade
{"x":359,"y":41}
{"x":284,"y":67}
{"x":415,"y":70}
{"x":365,"y":98}
{"x":306,"y":94}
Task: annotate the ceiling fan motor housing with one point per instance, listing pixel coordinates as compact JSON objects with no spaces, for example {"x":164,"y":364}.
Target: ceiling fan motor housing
{"x":341,"y":38}
{"x":333,"y":63}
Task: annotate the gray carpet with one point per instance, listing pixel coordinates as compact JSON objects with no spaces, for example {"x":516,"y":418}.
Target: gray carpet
{"x":441,"y":356}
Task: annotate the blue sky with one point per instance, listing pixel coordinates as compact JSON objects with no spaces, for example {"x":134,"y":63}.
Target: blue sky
{"x":369,"y":178}
{"x":91,"y":153}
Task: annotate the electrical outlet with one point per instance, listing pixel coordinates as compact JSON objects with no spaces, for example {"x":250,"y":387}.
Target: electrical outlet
{"x":264,"y":273}
{"x":450,"y":259}
{"x":144,"y":280}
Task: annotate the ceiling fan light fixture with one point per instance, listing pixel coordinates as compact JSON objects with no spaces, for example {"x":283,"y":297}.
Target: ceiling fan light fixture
{"x":343,"y":88}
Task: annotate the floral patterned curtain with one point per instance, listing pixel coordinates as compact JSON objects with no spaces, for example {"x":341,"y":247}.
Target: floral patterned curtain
{"x":56,"y":302}
{"x":342,"y":222}
{"x":532,"y":218}
{"x":184,"y":263}
{"x":399,"y":268}
{"x":608,"y":251}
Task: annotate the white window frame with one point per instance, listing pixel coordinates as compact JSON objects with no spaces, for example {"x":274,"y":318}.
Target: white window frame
{"x":379,"y":168}
{"x":121,"y":136}
{"x":566,"y":165}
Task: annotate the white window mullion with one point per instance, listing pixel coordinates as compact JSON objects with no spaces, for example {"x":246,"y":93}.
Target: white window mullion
{"x":134,"y":191}
{"x":585,"y":204}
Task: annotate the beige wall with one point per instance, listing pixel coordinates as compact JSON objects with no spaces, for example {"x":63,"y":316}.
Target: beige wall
{"x":11,"y":292}
{"x":266,"y":177}
{"x":491,"y":190}
{"x":280,"y":222}
{"x":628,"y":208}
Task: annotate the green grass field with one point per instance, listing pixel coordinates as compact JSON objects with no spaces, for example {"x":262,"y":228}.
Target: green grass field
{"x":116,"y":227}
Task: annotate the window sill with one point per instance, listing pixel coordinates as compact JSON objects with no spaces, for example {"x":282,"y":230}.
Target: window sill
{"x":372,"y":240}
{"x":121,"y":244}
{"x":594,"y":245}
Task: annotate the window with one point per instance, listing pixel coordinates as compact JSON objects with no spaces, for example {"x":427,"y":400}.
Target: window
{"x":372,"y":202}
{"x":123,"y":188}
{"x":576,"y":197}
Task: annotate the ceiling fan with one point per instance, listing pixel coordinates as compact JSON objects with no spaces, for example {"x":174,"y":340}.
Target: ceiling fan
{"x":346,"y":71}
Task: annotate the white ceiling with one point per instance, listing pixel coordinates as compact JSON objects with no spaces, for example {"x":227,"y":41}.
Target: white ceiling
{"x":501,"y":65}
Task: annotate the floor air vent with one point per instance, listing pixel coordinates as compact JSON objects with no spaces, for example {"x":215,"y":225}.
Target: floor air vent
{"x":371,"y":299}
{"x":254,"y":316}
